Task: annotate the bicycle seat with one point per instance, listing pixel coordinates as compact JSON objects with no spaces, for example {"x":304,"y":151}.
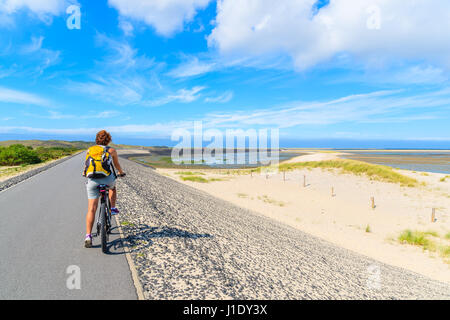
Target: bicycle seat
{"x":103,"y":187}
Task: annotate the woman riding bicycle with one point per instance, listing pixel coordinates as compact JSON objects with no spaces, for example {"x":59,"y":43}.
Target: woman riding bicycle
{"x":99,"y":170}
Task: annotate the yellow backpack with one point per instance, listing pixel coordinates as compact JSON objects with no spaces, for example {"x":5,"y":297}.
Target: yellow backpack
{"x":98,"y":162}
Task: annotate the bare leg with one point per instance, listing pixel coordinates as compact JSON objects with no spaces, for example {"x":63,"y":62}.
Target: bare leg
{"x":113,"y":197}
{"x":90,"y":217}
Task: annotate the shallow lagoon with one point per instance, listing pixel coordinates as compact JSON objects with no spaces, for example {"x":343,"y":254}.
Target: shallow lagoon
{"x":427,"y":161}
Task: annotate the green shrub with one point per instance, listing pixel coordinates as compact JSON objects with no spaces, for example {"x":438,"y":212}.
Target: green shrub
{"x":46,"y":154}
{"x":18,"y":154}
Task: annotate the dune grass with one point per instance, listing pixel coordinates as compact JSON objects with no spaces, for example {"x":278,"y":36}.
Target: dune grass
{"x":416,"y":238}
{"x":266,"y":199}
{"x":189,"y":173}
{"x":422,"y":239}
{"x":194,"y":179}
{"x":216,"y":179}
{"x":444,"y":179}
{"x":11,"y":171}
{"x":199,"y":179}
{"x":373,"y":171}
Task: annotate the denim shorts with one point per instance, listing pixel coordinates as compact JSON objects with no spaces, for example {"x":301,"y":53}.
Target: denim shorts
{"x":92,"y":185}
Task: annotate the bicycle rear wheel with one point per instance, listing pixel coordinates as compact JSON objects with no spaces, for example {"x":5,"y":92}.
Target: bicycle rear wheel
{"x":103,"y":228}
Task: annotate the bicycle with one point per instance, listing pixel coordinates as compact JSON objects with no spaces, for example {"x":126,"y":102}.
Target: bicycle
{"x":104,"y":217}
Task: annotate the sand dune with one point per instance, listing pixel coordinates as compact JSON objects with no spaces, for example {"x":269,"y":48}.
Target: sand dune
{"x":345,"y":217}
{"x":314,"y":157}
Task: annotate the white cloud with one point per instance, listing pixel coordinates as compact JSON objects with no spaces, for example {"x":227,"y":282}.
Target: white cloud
{"x":418,"y":75}
{"x":7,"y":72}
{"x":124,"y":64}
{"x":408,"y":30}
{"x":42,"y":58}
{"x":182,"y":95}
{"x":166,"y":16}
{"x":35,"y":45}
{"x":192,"y":67}
{"x":6,"y":21}
{"x":223,"y":98}
{"x":115,"y":91}
{"x":21,"y":97}
{"x":53,"y":7}
{"x":381,"y":107}
{"x":42,"y":9}
{"x":126,"y":77}
{"x":130,"y":91}
{"x":54,"y":115}
{"x":126,"y":27}
{"x":375,"y":107}
{"x":153,"y":130}
{"x":421,"y":74}
{"x":122,"y":55}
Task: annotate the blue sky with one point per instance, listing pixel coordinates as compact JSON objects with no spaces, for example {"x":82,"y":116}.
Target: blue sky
{"x":326,"y":70}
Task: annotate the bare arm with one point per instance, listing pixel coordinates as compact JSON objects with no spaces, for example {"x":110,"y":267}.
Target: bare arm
{"x":115,"y":158}
{"x":84,"y":173}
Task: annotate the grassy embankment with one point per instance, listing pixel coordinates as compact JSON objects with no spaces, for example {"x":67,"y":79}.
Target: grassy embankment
{"x":195,"y":177}
{"x":373,"y":171}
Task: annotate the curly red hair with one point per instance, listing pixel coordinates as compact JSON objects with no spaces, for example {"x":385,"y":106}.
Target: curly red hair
{"x":103,"y":138}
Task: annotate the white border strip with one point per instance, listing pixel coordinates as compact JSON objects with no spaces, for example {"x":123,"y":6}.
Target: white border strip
{"x":134,"y":274}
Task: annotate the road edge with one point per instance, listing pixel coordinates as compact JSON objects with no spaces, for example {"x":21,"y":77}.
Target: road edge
{"x":134,"y":275}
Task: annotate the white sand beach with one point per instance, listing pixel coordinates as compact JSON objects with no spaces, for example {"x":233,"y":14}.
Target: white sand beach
{"x":345,"y":218}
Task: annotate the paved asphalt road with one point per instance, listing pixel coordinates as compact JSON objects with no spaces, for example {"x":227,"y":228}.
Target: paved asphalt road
{"x":42,"y":227}
{"x":186,"y":245}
